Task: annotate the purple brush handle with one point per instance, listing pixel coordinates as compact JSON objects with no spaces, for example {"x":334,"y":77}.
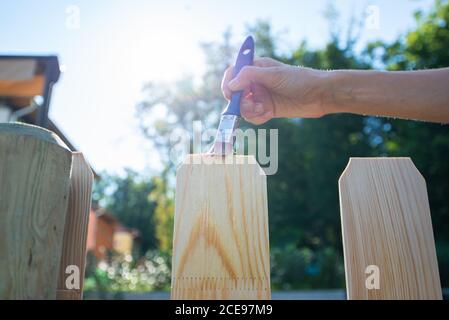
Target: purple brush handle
{"x":244,"y":58}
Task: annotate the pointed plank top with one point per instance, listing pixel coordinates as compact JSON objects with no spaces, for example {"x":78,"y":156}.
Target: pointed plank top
{"x":386,"y":223}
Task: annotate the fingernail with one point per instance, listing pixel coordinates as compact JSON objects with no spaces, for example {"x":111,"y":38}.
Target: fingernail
{"x":258,"y":108}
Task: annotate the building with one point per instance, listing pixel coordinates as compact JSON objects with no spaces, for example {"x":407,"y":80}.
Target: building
{"x":26,"y":83}
{"x":106,"y":235}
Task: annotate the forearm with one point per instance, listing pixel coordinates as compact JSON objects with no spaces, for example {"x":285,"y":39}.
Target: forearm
{"x":420,"y":95}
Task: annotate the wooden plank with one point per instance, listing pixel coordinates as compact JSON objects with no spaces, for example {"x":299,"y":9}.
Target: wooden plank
{"x":220,"y":245}
{"x":35,"y":176}
{"x":75,"y":231}
{"x":68,"y":294}
{"x":386,"y":223}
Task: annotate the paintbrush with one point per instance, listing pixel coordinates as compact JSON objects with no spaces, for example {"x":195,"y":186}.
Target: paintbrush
{"x":230,"y":118}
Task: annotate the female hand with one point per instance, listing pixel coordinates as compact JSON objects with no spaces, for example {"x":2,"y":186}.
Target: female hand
{"x":274,"y":89}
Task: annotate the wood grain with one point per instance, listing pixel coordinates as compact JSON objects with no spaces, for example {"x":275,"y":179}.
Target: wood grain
{"x":75,"y":231}
{"x":220,"y":245}
{"x":386,"y":222}
{"x":34,"y":186}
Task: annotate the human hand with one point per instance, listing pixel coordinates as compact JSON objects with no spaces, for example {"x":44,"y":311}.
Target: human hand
{"x":273,"y":89}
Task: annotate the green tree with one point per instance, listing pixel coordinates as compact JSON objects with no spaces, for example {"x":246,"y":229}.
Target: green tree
{"x":305,"y":232}
{"x":303,"y":198}
{"x":128,"y":198}
{"x":185,"y":101}
{"x":163,"y":213}
{"x":427,"y":46}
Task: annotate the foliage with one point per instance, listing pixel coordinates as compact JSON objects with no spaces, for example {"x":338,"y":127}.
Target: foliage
{"x":123,"y":274}
{"x":163,"y":213}
{"x":128,"y":198}
{"x":422,"y":48}
{"x":304,"y":217}
{"x":187,"y":101}
{"x":303,"y":198}
{"x":303,"y":214}
{"x":306,"y":268}
{"x":427,"y":144}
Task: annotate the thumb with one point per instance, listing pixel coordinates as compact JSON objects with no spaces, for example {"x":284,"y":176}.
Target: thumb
{"x":250,"y":74}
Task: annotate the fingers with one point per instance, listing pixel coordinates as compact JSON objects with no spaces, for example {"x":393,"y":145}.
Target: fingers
{"x":249,"y":74}
{"x":258,"y":62}
{"x":250,"y":109}
{"x":266,"y":62}
{"x":255,"y":112}
{"x":261,"y":119}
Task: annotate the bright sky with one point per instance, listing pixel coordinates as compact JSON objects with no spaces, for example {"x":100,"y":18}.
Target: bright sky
{"x":110,"y":48}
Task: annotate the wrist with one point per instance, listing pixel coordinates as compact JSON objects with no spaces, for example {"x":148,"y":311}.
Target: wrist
{"x":329,"y":83}
{"x":315,"y":96}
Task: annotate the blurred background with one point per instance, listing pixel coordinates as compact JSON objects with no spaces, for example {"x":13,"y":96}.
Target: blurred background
{"x":133,"y":72}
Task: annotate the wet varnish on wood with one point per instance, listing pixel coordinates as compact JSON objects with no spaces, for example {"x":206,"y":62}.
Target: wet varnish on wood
{"x":220,"y":245}
{"x":386,"y":222}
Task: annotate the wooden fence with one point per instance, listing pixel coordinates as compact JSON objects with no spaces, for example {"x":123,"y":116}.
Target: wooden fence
{"x":45,"y":197}
{"x":221,"y":249}
{"x":221,"y":243}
